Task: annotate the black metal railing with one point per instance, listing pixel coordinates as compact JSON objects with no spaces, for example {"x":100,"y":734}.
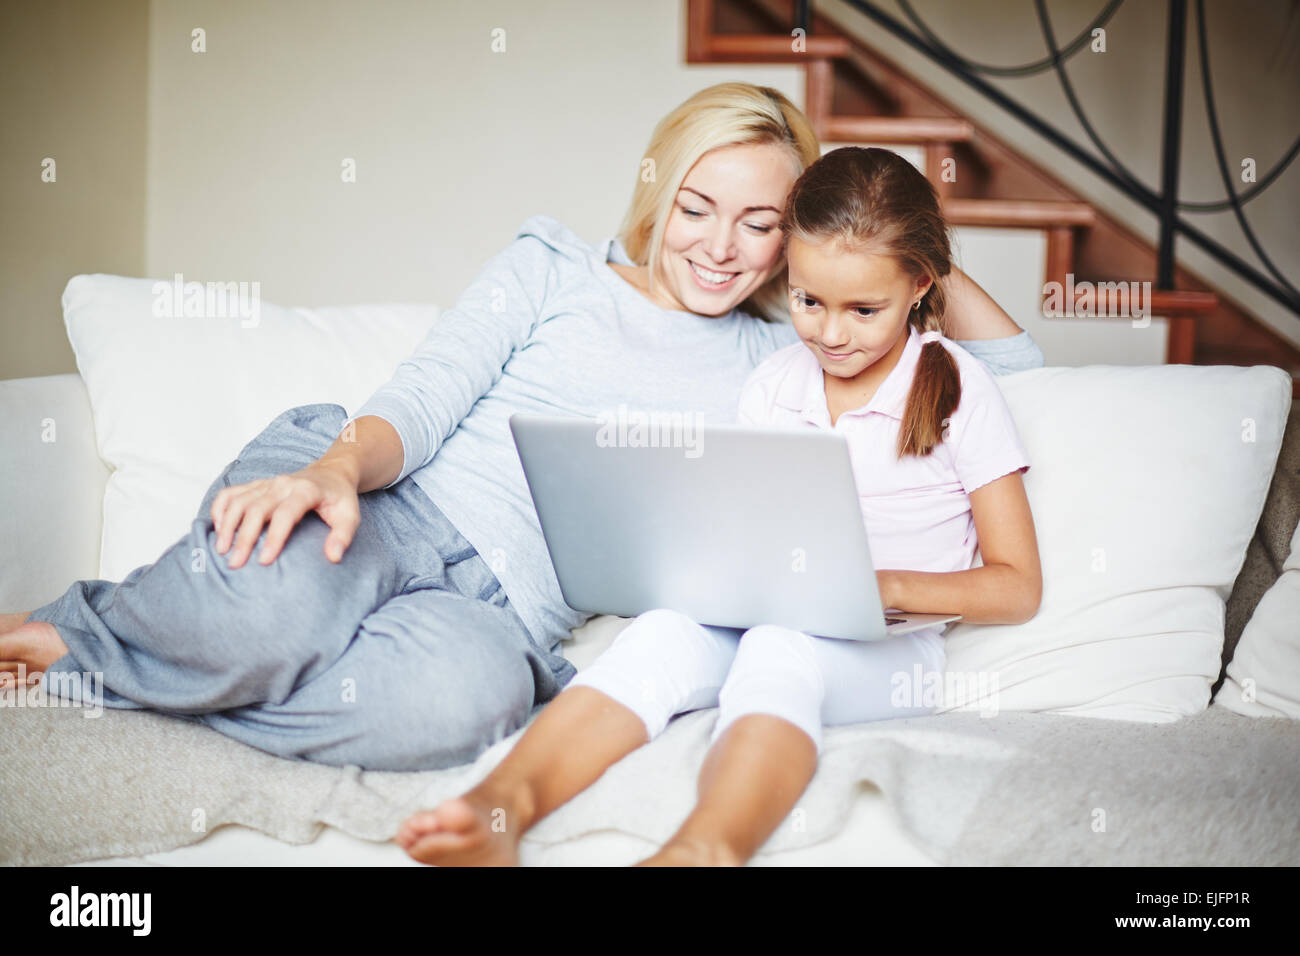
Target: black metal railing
{"x":1164,"y":204}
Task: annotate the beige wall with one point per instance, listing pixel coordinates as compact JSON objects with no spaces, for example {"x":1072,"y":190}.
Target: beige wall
{"x":455,"y":145}
{"x":73,"y":88}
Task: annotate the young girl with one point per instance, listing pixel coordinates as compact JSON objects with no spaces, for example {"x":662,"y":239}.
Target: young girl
{"x":938,"y":465}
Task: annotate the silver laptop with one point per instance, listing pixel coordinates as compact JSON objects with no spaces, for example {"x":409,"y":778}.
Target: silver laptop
{"x":731,"y":525}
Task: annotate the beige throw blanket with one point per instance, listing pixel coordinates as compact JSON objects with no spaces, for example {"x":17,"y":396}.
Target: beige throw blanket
{"x":1020,"y":788}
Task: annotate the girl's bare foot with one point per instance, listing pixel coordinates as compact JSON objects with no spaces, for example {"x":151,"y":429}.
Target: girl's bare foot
{"x":470,"y":830}
{"x":690,"y":853}
{"x":35,"y":644}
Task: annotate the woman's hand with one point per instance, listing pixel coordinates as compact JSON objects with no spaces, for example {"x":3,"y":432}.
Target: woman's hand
{"x":240,"y":511}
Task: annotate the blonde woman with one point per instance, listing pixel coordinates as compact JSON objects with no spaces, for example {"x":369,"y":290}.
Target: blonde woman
{"x":400,"y":611}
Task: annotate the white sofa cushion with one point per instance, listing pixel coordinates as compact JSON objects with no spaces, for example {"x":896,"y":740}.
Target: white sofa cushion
{"x":1146,"y":485}
{"x":175,"y":397}
{"x":1263,"y":677}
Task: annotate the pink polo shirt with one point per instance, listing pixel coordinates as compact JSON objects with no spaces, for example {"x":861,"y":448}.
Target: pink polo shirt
{"x":916,"y":510}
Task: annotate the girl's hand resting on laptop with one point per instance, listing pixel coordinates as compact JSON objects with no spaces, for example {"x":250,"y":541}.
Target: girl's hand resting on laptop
{"x":886,"y":583}
{"x":240,"y":511}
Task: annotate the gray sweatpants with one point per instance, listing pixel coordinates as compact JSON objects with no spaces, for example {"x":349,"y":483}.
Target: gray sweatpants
{"x":406,"y":655}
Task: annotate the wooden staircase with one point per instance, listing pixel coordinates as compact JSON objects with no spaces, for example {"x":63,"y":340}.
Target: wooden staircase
{"x":855,"y":94}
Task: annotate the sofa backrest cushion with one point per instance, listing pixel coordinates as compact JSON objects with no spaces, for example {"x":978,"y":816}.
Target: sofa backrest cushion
{"x":180,"y":381}
{"x":1146,"y":485}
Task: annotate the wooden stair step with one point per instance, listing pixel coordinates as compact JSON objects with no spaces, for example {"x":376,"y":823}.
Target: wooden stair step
{"x":1109,"y":295}
{"x":1167,"y":302}
{"x":1227,"y":355}
{"x":897,"y":129}
{"x":1018,"y":213}
{"x":775,"y":48}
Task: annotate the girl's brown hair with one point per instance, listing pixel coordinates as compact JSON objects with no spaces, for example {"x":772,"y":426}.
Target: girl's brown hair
{"x":872,"y":200}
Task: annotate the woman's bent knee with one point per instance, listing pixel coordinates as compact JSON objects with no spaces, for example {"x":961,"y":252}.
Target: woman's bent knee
{"x":296,"y":614}
{"x":433,"y":722}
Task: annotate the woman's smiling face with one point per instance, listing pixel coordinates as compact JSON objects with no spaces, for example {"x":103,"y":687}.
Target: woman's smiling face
{"x":723,"y":224}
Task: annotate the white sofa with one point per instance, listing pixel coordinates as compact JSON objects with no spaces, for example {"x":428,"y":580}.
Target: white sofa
{"x":1142,"y":543}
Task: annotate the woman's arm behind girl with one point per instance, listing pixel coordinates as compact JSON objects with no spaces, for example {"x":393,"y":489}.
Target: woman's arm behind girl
{"x":979,"y":325}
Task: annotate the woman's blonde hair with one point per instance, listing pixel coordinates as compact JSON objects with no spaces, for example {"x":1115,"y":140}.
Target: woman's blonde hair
{"x":872,"y":200}
{"x":727,"y":114}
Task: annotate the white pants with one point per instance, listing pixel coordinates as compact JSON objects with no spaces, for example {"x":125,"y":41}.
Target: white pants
{"x":663,"y":664}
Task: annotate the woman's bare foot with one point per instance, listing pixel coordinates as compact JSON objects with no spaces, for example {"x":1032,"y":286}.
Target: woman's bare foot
{"x":11,"y":676}
{"x":36,"y":645}
{"x":474,"y":829}
{"x":689,"y":853}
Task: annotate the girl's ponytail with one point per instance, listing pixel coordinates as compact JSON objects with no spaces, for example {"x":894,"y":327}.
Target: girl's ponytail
{"x":936,"y":387}
{"x":934,"y":396}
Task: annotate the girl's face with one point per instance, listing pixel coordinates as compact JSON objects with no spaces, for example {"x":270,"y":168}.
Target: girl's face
{"x":723,"y":225}
{"x":850,"y":308}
